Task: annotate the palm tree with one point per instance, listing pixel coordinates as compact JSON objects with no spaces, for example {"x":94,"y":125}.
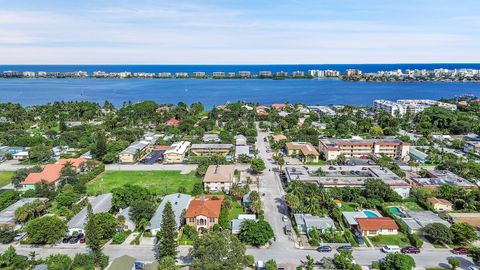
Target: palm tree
{"x":310,"y":263}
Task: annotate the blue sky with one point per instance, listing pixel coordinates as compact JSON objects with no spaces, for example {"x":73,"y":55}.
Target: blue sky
{"x":239,"y":32}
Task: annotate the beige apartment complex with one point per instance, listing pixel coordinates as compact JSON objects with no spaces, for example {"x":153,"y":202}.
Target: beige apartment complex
{"x":358,"y":148}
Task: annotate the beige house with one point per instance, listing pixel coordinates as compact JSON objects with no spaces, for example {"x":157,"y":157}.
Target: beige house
{"x":440,"y":205}
{"x":203,"y":212}
{"x":279,"y":137}
{"x":305,"y":150}
{"x":219,"y":178}
{"x":206,"y":150}
{"x":176,"y":153}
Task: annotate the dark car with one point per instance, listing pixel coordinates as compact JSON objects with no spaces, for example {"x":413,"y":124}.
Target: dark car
{"x":332,"y":168}
{"x":67,"y":239}
{"x":460,"y":251}
{"x":324,"y":249}
{"x":346,"y":248}
{"x":410,"y":250}
{"x":73,"y":240}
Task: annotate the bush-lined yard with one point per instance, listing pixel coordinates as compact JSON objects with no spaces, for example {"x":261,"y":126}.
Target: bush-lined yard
{"x":158,"y":182}
{"x":399,"y":240}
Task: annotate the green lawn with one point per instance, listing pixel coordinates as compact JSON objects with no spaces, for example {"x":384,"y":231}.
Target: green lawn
{"x":399,"y":240}
{"x":159,"y":182}
{"x":237,"y":209}
{"x":413,"y":206}
{"x":349,"y":207}
{"x":6,"y":178}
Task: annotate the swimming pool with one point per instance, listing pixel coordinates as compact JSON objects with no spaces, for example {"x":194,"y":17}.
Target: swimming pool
{"x":396,"y":211}
{"x":370,"y":214}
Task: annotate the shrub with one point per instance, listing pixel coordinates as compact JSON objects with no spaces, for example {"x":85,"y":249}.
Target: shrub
{"x":120,"y":237}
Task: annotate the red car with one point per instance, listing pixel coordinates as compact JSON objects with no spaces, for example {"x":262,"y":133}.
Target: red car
{"x":460,"y":251}
{"x":410,"y":250}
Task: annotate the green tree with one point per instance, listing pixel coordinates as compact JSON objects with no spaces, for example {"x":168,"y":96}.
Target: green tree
{"x":58,"y":262}
{"x":377,"y":189}
{"x":258,"y":165}
{"x":463,"y":233}
{"x":167,"y":263}
{"x":218,"y":251}
{"x":255,"y":233}
{"x":142,"y":209}
{"x":10,"y":260}
{"x":6,"y":235}
{"x":167,"y":243}
{"x":45,"y":230}
{"x":438,"y":233}
{"x":40,"y":153}
{"x":474,"y":253}
{"x":271,"y":265}
{"x":398,"y":262}
{"x":83,"y":261}
{"x":100,"y":146}
{"x":454,"y":263}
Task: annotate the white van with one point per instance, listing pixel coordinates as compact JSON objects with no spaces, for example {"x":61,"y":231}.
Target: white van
{"x":391,"y":249}
{"x":260,"y":265}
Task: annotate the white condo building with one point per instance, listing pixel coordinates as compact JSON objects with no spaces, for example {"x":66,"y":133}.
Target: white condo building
{"x":412,"y":106}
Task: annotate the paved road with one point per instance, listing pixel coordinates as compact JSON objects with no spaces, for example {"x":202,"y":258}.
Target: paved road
{"x":12,"y":165}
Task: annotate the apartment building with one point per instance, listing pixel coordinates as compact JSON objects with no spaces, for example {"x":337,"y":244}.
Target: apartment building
{"x":203,"y":212}
{"x":358,"y":147}
{"x":211,"y":149}
{"x":305,"y":150}
{"x":176,"y":153}
{"x":410,"y":106}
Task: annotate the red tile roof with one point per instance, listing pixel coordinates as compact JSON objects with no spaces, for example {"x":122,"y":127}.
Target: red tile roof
{"x":204,"y":206}
{"x":172,"y":122}
{"x":375,"y":224}
{"x":50,"y":174}
{"x":162,"y":147}
{"x":76,"y":162}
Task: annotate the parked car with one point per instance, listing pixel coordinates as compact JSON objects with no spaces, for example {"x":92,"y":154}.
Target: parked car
{"x":19,"y":236}
{"x":73,"y":240}
{"x":472,"y":267}
{"x":287,"y":229}
{"x":410,"y":250}
{"x":391,"y":249}
{"x":67,"y":239}
{"x":347,"y":248}
{"x":324,"y":249}
{"x":460,"y":251}
{"x":285,"y":218}
{"x":331,"y":168}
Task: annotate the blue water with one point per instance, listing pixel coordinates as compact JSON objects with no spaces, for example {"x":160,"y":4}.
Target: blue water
{"x":214,"y":92}
{"x":395,"y":211}
{"x":370,"y":214}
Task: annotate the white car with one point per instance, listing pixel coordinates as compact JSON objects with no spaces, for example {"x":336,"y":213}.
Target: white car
{"x":472,"y":267}
{"x":285,"y":218}
{"x":391,"y":249}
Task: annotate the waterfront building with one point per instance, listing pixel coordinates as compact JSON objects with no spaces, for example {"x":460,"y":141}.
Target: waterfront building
{"x":298,"y":73}
{"x":281,"y":74}
{"x":164,"y":74}
{"x":354,"y":72}
{"x":218,"y":74}
{"x":181,"y":74}
{"x":358,"y":147}
{"x":265,"y":73}
{"x":392,"y":108}
{"x":28,"y":74}
{"x":198,"y":74}
{"x":244,"y":73}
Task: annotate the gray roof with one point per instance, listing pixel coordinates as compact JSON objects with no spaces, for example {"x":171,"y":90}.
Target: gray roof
{"x":308,"y":222}
{"x":135,"y":147}
{"x":210,"y":137}
{"x":237,"y":223}
{"x":7,"y":215}
{"x":242,"y":150}
{"x":179,"y":203}
{"x":423,"y":218}
{"x":125,"y":212}
{"x":351,"y":217}
{"x":100,"y":204}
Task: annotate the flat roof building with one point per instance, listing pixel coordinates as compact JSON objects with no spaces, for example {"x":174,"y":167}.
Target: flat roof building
{"x":358,"y":147}
{"x":211,"y":149}
{"x":438,"y":178}
{"x":350,"y":177}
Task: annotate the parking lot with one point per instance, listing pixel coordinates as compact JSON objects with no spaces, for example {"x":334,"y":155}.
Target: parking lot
{"x":152,"y":158}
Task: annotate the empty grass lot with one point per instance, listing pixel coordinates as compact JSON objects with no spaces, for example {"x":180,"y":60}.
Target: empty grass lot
{"x":158,"y":182}
{"x":5,"y":178}
{"x":399,"y":240}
